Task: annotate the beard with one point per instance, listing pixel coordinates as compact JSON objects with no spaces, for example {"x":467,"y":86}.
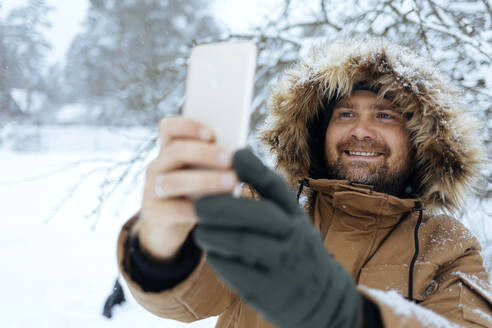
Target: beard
{"x":383,"y":176}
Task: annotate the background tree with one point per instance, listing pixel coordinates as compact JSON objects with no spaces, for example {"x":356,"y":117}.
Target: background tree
{"x":8,"y":65}
{"x":129,"y":64}
{"x":24,"y":36}
{"x":23,"y":49}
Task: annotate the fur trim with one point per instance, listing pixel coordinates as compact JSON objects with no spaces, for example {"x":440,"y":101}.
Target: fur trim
{"x":448,"y":150}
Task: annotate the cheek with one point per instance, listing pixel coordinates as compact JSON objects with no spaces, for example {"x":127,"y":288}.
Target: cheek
{"x":330,"y":141}
{"x":400,"y":144}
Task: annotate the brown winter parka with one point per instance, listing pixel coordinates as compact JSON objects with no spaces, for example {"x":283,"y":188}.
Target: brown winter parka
{"x":393,"y":248}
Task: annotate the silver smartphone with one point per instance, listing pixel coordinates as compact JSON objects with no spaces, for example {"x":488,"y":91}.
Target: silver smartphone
{"x":219,"y":89}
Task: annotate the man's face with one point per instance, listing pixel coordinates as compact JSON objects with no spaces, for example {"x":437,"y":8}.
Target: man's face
{"x":367,"y":143}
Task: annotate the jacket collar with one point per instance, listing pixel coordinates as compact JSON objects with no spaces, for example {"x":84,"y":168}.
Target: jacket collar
{"x":361,"y":201}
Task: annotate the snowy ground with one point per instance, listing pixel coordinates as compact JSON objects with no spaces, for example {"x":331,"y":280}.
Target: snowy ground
{"x":58,"y":273}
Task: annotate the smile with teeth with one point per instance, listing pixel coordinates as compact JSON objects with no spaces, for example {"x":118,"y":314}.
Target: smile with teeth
{"x":362,"y":153}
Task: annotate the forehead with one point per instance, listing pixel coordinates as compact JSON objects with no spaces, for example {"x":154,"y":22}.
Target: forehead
{"x":364,"y":97}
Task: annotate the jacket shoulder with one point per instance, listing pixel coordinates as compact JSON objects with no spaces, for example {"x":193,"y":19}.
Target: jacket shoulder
{"x":445,"y":239}
{"x":445,"y":230}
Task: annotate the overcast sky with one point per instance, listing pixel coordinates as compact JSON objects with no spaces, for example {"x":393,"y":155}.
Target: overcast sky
{"x":68,"y":15}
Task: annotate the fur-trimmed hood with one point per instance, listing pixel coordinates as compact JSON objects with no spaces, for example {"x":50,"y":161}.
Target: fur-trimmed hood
{"x":448,"y":150}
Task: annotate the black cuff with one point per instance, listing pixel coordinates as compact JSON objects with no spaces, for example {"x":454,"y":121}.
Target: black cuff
{"x":372,"y":317}
{"x":156,"y":276}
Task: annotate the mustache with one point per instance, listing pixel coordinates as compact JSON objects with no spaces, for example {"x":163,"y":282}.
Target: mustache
{"x":368,"y":145}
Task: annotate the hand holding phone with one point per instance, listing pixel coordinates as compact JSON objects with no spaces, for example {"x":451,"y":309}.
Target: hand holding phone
{"x":196,"y":148}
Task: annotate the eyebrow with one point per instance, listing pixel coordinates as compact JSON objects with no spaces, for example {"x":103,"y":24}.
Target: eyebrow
{"x":347,"y":104}
{"x":385,"y":107}
{"x":344,"y":103}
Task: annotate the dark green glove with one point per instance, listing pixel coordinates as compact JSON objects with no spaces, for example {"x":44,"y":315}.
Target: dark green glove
{"x":272,"y":256}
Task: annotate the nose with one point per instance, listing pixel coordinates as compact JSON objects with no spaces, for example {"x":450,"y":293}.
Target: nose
{"x":362,"y":130}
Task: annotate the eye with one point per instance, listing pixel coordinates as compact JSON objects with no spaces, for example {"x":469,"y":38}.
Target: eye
{"x":386,"y":116}
{"x":346,"y":114}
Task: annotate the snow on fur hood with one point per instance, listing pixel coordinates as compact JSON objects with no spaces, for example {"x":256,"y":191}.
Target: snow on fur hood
{"x":448,"y":150}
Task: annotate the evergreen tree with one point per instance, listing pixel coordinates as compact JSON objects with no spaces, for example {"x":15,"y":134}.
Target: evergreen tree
{"x":129,"y":63}
{"x":28,"y":47}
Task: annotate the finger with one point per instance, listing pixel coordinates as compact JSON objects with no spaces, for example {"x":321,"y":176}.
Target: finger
{"x":229,"y":212}
{"x":242,"y":278}
{"x":251,"y":170}
{"x":196,"y":183}
{"x":182,"y":127}
{"x":172,"y":212}
{"x":188,"y":153}
{"x":247,"y":246}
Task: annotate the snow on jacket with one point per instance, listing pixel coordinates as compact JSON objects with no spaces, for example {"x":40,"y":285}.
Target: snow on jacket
{"x":370,"y":233}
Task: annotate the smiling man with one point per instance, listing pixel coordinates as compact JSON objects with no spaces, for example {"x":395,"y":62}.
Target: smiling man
{"x":377,"y":147}
{"x":366,"y":142}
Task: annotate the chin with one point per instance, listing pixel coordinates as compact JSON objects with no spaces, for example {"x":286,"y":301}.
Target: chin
{"x":367,"y":180}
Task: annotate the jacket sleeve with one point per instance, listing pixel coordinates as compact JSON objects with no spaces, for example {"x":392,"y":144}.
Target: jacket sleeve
{"x":187,"y":301}
{"x":461,"y":298}
{"x":156,"y":276}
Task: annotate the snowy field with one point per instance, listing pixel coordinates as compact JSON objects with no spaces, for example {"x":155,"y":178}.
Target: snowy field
{"x":58,"y":270}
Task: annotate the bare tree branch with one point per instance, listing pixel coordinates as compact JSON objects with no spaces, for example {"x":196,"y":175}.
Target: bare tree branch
{"x":488,"y":7}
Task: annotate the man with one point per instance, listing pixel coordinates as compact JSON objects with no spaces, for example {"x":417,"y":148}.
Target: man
{"x":379,"y":145}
